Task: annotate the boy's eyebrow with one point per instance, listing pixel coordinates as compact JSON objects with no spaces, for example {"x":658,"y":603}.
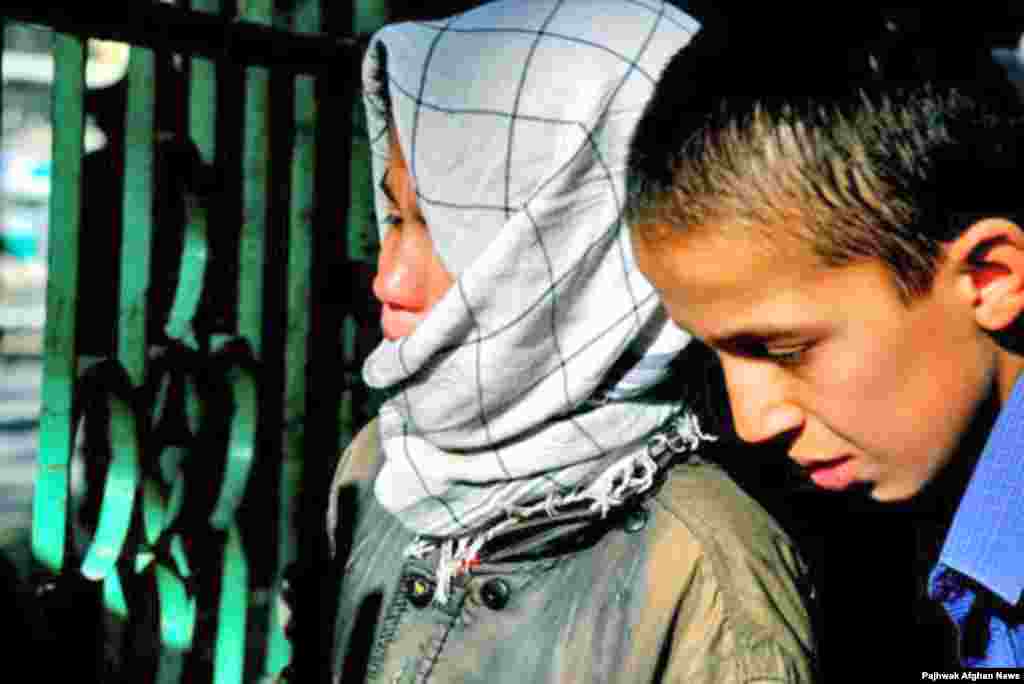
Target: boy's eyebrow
{"x":761,"y":333}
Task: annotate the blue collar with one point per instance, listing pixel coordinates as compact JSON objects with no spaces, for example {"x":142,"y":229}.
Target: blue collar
{"x":986,"y":540}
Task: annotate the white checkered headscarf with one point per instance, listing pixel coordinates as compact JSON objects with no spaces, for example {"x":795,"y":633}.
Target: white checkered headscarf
{"x":536,"y":372}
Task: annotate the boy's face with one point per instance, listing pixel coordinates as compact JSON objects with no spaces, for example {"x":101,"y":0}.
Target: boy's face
{"x":862,"y":388}
{"x":410,"y":278}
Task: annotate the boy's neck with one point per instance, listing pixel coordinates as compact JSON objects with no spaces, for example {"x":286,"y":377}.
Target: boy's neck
{"x":933,"y":508}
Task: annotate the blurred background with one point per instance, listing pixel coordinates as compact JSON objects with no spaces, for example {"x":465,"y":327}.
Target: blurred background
{"x":25,"y":165}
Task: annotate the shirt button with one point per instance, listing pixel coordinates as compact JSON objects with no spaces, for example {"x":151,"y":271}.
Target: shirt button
{"x":419,"y":590}
{"x":636,"y":520}
{"x":495,"y":594}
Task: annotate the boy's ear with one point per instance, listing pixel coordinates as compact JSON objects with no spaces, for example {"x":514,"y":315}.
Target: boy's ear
{"x":989,"y":256}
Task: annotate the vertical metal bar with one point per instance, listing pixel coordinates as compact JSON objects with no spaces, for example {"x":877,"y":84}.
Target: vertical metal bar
{"x":138,"y":225}
{"x":369,"y":15}
{"x":49,"y":506}
{"x":300,"y":256}
{"x":362,"y":239}
{"x":255,"y":192}
{"x":229,"y":656}
{"x":229,"y":653}
{"x":203,"y":95}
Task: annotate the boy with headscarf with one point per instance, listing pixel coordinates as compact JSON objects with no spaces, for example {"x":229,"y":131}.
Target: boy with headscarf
{"x":531,"y":504}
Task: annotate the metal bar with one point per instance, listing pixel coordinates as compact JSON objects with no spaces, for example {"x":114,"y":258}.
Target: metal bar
{"x":138,"y":224}
{"x":195,"y":258}
{"x":203,"y":94}
{"x":255,"y":192}
{"x":165,"y":27}
{"x":235,"y":596}
{"x":241,"y":442}
{"x":361,"y":238}
{"x":308,"y":19}
{"x":120,"y":484}
{"x":229,"y":649}
{"x":369,"y":15}
{"x":56,"y":432}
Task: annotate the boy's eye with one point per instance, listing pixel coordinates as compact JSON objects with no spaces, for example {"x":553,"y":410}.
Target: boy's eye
{"x":392,"y":219}
{"x":788,"y":352}
{"x":789,"y":356}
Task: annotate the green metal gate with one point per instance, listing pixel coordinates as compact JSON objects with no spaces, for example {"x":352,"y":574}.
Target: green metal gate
{"x":206,"y":313}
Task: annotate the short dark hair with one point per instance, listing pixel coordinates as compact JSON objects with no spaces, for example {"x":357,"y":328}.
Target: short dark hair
{"x":881,"y":144}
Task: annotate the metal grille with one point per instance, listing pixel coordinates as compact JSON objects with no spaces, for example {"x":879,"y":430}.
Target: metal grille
{"x":206,"y":311}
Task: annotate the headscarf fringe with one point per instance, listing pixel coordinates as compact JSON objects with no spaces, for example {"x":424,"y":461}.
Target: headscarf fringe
{"x":620,"y":482}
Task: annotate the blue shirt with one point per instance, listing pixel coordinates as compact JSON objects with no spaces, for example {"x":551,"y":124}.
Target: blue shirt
{"x":981,"y":566}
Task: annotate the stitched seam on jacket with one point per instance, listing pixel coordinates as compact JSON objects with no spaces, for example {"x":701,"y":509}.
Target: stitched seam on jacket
{"x":732,"y":607}
{"x":432,"y":650}
{"x":389,"y":628}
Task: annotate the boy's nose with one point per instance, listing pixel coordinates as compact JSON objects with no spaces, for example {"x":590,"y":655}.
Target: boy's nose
{"x":759,"y":407}
{"x":399,"y":279}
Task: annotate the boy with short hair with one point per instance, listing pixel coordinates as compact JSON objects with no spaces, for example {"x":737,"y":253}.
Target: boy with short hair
{"x":844,"y":226}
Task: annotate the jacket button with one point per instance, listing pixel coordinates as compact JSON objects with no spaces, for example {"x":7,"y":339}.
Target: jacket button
{"x":495,"y":594}
{"x":419,"y":590}
{"x":636,"y":520}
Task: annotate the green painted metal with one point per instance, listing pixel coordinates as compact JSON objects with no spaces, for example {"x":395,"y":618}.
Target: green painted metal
{"x":242,"y":440}
{"x":137,"y":224}
{"x":158,"y":24}
{"x":121,"y":483}
{"x":177,"y":615}
{"x":252,"y":280}
{"x":255,"y":192}
{"x":154,"y":512}
{"x":296,"y":345}
{"x":113,"y":595}
{"x":368,"y":16}
{"x":202,"y":118}
{"x":163,"y":414}
{"x":177,"y":609}
{"x":171,"y":667}
{"x":177,"y":626}
{"x":229,"y":653}
{"x":194,"y":260}
{"x":56,"y":431}
{"x":203,"y":105}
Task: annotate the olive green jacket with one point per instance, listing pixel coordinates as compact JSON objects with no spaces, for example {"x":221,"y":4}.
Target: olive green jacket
{"x":696,"y":584}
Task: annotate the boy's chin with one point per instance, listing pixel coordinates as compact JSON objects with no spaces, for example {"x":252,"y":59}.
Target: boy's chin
{"x":890,"y":494}
{"x":869,"y":496}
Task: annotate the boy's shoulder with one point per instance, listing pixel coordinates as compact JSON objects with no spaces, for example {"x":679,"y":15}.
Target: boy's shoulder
{"x":712,"y":536}
{"x":701,"y":497}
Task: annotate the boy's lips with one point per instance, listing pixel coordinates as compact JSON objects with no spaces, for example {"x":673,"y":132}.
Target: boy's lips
{"x":834,"y":474}
{"x":396,"y":322}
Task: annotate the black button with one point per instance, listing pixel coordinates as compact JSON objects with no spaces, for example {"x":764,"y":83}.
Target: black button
{"x":420,"y":591}
{"x":495,"y":594}
{"x":636,"y":520}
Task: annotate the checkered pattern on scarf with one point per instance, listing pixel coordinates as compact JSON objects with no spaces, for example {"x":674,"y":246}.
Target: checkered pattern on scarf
{"x":535,"y":373}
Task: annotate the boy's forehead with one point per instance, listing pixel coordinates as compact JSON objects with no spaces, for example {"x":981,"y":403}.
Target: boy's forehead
{"x":721,"y":256}
{"x":715,"y":283}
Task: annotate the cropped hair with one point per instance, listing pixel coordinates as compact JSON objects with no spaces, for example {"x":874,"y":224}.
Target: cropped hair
{"x":879,"y":144}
